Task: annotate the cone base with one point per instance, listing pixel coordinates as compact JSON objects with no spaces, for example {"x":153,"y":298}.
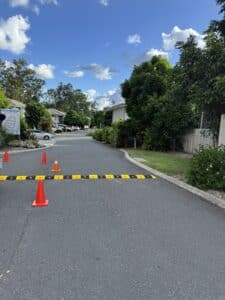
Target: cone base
{"x":35,"y":204}
{"x":56,"y":170}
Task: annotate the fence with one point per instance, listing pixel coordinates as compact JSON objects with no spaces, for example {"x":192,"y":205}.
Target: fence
{"x":195,"y":138}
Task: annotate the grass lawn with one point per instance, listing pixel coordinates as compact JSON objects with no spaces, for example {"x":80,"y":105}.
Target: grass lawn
{"x":169,"y":163}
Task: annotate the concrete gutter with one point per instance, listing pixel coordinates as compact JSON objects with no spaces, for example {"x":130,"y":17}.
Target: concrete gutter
{"x":204,"y":195}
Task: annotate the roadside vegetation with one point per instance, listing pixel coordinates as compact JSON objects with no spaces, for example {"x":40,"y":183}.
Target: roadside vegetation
{"x":169,"y":163}
{"x":163,"y":102}
{"x":19,"y":82}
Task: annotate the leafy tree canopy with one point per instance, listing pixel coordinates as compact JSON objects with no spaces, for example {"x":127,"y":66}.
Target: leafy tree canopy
{"x":66,"y":98}
{"x":74,"y":118}
{"x":19,"y":82}
{"x":37,"y":116}
{"x":147,"y":82}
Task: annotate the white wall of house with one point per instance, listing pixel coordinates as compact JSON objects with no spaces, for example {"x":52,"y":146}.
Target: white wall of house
{"x":119,"y":114}
{"x":55,"y":119}
{"x":222,"y":131}
{"x":196,"y":138}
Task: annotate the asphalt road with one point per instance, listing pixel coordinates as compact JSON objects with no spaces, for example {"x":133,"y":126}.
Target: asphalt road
{"x":112,"y":240}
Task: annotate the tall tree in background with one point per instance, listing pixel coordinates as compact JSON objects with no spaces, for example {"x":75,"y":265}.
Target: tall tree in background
{"x":66,"y":98}
{"x":19,"y":82}
{"x":74,"y":118}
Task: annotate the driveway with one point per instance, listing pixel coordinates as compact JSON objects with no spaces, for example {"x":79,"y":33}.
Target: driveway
{"x":112,"y":240}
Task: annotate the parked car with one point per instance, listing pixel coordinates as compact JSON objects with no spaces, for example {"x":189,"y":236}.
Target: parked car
{"x":57,"y":129}
{"x":69,"y":129}
{"x":41,"y":135}
{"x":75,"y":128}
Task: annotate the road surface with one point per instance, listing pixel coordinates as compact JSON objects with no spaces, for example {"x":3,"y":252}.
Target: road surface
{"x":112,"y":240}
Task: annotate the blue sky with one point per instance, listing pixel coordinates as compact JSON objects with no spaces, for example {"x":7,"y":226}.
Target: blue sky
{"x":94,"y":43}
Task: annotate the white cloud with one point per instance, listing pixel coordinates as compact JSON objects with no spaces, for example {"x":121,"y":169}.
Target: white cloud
{"x":74,"y":74}
{"x":15,"y":3}
{"x":103,"y":102}
{"x":9,"y":64}
{"x":104,"y":2}
{"x":36,"y":10}
{"x":134,"y":39}
{"x":43,"y":2}
{"x":147,"y":55}
{"x":43,"y":70}
{"x":108,"y":99}
{"x":115,"y":96}
{"x":100,"y":72}
{"x":13,"y":34}
{"x":35,"y":7}
{"x":91,"y":95}
{"x":177,"y":34}
{"x":156,"y":52}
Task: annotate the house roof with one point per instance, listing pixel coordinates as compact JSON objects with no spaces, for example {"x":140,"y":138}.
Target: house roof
{"x":55,"y":112}
{"x":16,"y":103}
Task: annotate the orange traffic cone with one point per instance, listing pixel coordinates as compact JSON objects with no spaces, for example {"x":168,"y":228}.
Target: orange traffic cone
{"x":56,"y":167}
{"x":40,"y":196}
{"x":6,"y":157}
{"x":44,"y":158}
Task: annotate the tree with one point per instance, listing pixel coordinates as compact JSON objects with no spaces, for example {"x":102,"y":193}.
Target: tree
{"x":69,"y":118}
{"x":200,"y":78}
{"x":147,"y":82}
{"x":158,"y":105}
{"x":3,"y":101}
{"x":37,"y":116}
{"x":219,"y":26}
{"x":66,"y":98}
{"x":97,"y":119}
{"x":171,"y":120}
{"x":19,"y":82}
{"x":74,"y":118}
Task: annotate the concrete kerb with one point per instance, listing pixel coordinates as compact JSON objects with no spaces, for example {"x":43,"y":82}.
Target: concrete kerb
{"x":28,"y":150}
{"x":204,"y":195}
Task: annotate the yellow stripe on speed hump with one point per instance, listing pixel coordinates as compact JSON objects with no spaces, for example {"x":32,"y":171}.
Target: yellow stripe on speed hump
{"x":21,"y":178}
{"x":93,"y":176}
{"x":40,"y":177}
{"x":109,"y":176}
{"x":3,"y":178}
{"x":76,"y":177}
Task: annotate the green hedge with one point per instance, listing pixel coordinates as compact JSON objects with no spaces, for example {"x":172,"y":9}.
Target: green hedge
{"x":97,"y":135}
{"x":207,"y":168}
{"x":120,"y":134}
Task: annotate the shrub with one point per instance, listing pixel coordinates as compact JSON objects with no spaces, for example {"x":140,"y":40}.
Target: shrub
{"x":155,"y":141}
{"x":113,"y":137}
{"x":207,"y":168}
{"x":31,"y":144}
{"x":120,"y":134}
{"x":127,"y":131}
{"x":16,"y":143}
{"x":106,"y":133}
{"x":5,"y":138}
{"x":23,"y":128}
{"x":97,"y":135}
